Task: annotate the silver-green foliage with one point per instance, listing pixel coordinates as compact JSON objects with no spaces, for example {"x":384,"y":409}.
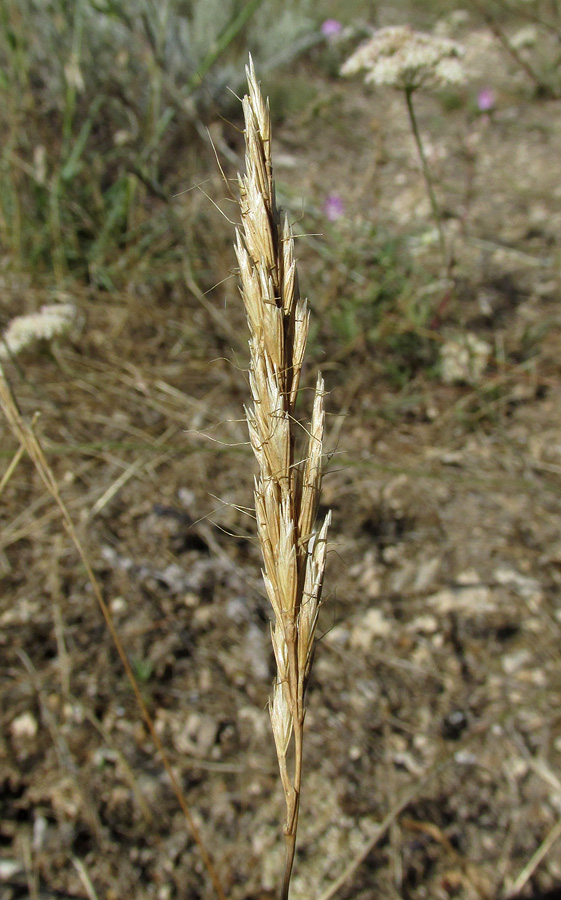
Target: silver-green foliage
{"x":99,"y":41}
{"x":97,"y":91}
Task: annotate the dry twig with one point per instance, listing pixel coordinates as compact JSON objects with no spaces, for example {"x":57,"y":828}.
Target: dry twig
{"x":29,"y":440}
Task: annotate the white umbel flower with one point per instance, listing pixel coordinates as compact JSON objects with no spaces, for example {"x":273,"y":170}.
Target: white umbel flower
{"x":51,"y":320}
{"x":525,"y":37}
{"x":400,"y":57}
{"x":464,"y":358}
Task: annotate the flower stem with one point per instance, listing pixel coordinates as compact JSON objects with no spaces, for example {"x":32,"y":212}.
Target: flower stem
{"x":426,"y":176}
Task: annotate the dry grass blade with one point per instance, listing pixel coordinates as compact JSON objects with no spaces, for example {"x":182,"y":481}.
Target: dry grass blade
{"x":287,"y":488}
{"x":11,"y":468}
{"x":520,"y":882}
{"x":28,"y":439}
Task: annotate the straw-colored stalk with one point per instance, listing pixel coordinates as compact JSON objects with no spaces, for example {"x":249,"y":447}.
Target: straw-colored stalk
{"x":29,"y":442}
{"x":287,"y":488}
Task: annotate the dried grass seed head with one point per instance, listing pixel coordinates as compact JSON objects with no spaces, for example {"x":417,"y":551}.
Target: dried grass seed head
{"x":287,"y":487}
{"x":286,"y":490}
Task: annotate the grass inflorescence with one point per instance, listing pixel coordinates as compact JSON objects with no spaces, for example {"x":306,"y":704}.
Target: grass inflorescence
{"x":287,"y":488}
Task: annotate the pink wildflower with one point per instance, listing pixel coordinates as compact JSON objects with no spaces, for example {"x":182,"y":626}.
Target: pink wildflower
{"x":333,"y":207}
{"x":331,"y":28}
{"x":485,"y":99}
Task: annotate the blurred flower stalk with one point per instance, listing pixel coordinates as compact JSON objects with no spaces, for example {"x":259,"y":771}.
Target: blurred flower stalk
{"x":410,"y":60}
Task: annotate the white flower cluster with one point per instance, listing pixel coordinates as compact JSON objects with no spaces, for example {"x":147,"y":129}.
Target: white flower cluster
{"x":51,"y":320}
{"x":407,"y":59}
{"x":525,"y":37}
{"x":464,"y":358}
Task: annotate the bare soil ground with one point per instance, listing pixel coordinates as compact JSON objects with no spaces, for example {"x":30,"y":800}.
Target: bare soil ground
{"x":435,"y":702}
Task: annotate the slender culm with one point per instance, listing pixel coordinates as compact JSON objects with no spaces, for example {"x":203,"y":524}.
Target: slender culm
{"x":288,"y":485}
